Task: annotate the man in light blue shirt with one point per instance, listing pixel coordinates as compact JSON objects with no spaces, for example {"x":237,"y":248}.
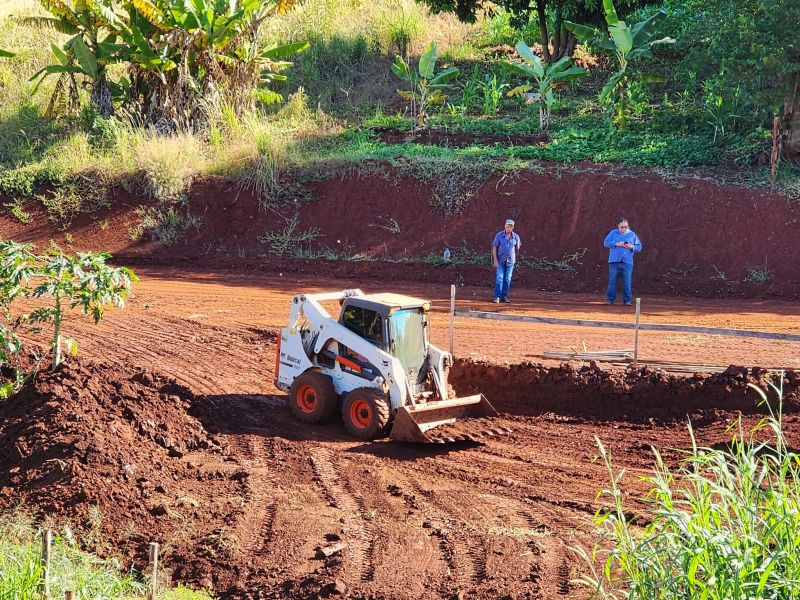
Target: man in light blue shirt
{"x":622,"y":243}
{"x":505,"y":246}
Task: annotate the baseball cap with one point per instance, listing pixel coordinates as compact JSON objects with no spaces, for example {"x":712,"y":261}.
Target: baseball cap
{"x":509,"y":221}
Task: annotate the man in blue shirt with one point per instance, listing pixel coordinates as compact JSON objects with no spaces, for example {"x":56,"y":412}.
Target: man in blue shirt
{"x":622,"y":243}
{"x":505,"y":246}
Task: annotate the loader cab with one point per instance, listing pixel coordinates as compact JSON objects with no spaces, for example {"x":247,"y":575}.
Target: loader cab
{"x":394,"y":323}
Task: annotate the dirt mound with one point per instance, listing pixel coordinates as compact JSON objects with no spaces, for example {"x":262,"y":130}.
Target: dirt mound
{"x":121,"y":440}
{"x":635,"y":395}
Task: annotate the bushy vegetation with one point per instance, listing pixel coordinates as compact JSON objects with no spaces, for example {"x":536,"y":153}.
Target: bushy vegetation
{"x":724,"y":523}
{"x":71,"y":569}
{"x":238,"y":109}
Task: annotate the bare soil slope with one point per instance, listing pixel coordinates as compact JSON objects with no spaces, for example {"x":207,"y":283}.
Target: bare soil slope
{"x":700,"y":238}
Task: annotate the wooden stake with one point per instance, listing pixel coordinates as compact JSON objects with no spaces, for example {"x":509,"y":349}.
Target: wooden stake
{"x":452,"y":316}
{"x":153,"y":570}
{"x":47,"y":541}
{"x":69,"y":595}
{"x":636,"y":335}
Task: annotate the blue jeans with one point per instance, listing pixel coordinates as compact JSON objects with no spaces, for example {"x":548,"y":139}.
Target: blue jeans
{"x":502,"y":280}
{"x":614,"y":271}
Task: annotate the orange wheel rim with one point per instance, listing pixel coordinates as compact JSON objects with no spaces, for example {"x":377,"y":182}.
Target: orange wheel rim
{"x":307,"y":398}
{"x":360,"y":413}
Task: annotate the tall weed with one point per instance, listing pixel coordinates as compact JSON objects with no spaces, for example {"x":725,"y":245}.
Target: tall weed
{"x":724,"y":523}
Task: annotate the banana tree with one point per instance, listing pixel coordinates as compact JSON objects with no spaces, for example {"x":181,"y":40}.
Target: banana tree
{"x":190,"y":54}
{"x":427,"y":86}
{"x":546,"y":79}
{"x":94,"y":26}
{"x":627,"y":44}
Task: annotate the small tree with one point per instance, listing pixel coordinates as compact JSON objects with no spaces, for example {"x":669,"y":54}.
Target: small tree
{"x":546,"y":78}
{"x":82,"y":281}
{"x":627,"y":44}
{"x":427,"y":87}
{"x":17,"y":268}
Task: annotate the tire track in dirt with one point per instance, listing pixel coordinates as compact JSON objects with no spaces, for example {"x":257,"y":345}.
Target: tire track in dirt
{"x":359,"y":530}
{"x":167,"y":341}
{"x":464,"y":550}
{"x":254,"y":528}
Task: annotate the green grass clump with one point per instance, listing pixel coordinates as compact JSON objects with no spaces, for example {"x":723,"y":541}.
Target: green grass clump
{"x":71,"y":569}
{"x":724,"y":524}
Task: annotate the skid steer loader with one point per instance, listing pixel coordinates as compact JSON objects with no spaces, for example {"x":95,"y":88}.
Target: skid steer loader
{"x":375,"y":365}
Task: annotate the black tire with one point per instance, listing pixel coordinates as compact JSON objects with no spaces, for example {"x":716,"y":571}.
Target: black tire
{"x":366,"y":413}
{"x":312,"y":397}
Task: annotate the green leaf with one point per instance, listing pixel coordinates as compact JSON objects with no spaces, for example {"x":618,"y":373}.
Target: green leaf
{"x":529,"y":57}
{"x":401,"y":69}
{"x":60,"y":55}
{"x":285,"y":50}
{"x":570,"y":74}
{"x":560,"y":65}
{"x":86,"y":59}
{"x":584,"y":33}
{"x":519,"y":69}
{"x":611,"y":12}
{"x":611,"y":84}
{"x":60,"y":25}
{"x":444,"y":76}
{"x":644,"y":31}
{"x":427,"y":62}
{"x":649,"y":78}
{"x":6,"y":53}
{"x":621,"y":34}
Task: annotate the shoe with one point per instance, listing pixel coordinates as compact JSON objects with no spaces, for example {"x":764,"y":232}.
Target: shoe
{"x":610,"y":302}
{"x":496,"y":300}
{"x":505,"y":300}
{"x":628,"y":303}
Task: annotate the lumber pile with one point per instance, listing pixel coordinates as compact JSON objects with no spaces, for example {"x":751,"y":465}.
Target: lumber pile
{"x":624,"y":357}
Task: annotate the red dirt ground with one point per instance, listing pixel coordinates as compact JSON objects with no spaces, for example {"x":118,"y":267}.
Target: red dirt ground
{"x":179,"y":437}
{"x":170,"y":425}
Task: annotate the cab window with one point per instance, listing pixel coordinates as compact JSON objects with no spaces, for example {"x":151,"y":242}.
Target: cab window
{"x":366,"y":323}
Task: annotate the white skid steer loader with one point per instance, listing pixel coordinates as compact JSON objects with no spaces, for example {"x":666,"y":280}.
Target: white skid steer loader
{"x":377,"y":366}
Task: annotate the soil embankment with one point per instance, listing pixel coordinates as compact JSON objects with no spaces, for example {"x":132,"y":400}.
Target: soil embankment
{"x":700,"y":238}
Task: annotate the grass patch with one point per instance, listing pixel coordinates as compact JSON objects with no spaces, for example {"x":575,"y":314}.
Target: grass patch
{"x":71,"y":569}
{"x":164,"y":225}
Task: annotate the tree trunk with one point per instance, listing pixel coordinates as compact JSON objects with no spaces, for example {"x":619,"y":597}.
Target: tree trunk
{"x":101,"y":96}
{"x":791,"y":118}
{"x":541,"y":11}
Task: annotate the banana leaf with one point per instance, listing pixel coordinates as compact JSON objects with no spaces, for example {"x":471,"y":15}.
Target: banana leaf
{"x":610,"y":12}
{"x":519,"y":69}
{"x":529,"y":57}
{"x":86,"y":59}
{"x":442,"y":77}
{"x":401,"y":69}
{"x":60,"y":55}
{"x":285,"y":50}
{"x":610,"y":86}
{"x":60,"y":25}
{"x":645,"y":30}
{"x":6,"y":53}
{"x":427,"y":62}
{"x":621,"y":34}
{"x":519,"y":90}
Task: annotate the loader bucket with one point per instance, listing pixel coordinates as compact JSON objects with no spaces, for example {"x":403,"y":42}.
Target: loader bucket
{"x":459,"y":419}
